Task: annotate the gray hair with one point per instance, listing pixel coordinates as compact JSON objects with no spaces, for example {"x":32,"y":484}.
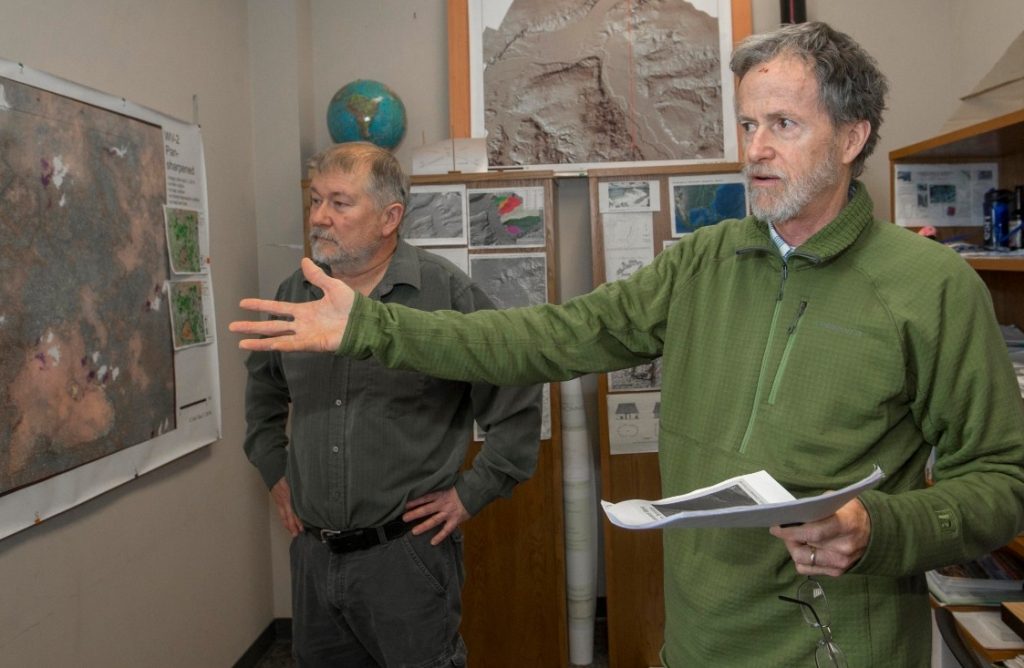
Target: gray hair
{"x":386,"y":183}
{"x":850,"y":85}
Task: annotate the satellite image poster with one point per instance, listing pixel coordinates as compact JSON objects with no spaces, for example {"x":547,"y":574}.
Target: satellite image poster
{"x":102,"y":205}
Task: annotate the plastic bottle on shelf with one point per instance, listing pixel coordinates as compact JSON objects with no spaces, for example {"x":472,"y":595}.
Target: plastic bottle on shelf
{"x":1015,"y":239}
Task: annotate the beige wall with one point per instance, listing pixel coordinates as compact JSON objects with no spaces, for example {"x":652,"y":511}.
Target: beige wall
{"x":171,"y":569}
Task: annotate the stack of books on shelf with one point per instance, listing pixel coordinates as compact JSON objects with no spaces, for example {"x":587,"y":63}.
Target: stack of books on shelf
{"x":988,"y":580}
{"x":1012,"y":615}
{"x":987,"y":632}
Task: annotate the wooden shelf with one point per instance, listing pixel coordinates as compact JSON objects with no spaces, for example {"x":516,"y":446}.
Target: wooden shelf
{"x":1000,"y":141}
{"x":984,"y":141}
{"x":996,"y":263}
{"x":1017,"y":546}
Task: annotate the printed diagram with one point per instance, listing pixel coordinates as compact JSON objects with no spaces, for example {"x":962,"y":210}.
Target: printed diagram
{"x":943,"y":195}
{"x":628,"y":243}
{"x":188,"y":319}
{"x":633,"y":422}
{"x":88,"y":364}
{"x":183,"y":240}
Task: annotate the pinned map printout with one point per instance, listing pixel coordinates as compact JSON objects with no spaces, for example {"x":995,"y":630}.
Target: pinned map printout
{"x":102,"y":202}
{"x":183,"y":240}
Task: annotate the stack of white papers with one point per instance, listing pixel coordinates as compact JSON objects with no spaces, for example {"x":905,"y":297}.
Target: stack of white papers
{"x":752,"y":500}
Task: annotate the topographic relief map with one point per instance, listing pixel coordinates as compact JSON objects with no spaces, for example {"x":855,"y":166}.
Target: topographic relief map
{"x":434,"y":216}
{"x":87,"y":366}
{"x":511,"y":281}
{"x":585,"y":81}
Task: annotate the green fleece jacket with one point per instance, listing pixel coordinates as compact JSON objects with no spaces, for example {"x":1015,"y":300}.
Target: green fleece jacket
{"x":871,"y":345}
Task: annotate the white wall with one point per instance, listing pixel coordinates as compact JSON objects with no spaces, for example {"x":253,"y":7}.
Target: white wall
{"x":401,"y":43}
{"x":912,"y":45}
{"x":171,"y":569}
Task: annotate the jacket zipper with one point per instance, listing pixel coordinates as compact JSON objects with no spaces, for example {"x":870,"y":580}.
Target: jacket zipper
{"x":764,"y":359}
{"x":790,"y":339}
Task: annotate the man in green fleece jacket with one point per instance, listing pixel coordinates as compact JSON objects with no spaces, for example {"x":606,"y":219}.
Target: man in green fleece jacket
{"x":809,"y":340}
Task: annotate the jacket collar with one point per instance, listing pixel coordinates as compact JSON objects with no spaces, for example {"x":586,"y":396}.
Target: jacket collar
{"x":828,"y":242}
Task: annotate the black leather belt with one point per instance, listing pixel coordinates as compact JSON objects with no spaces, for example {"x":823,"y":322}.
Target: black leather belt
{"x":352,"y":540}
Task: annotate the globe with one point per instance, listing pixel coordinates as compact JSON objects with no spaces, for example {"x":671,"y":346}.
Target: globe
{"x":366,"y":110}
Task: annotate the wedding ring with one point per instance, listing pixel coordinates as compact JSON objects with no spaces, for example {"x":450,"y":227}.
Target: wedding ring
{"x":814,"y":555}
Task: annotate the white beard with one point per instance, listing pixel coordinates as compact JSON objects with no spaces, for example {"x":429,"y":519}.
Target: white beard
{"x":796,"y":193}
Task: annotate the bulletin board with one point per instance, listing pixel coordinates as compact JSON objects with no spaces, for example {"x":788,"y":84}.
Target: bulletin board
{"x":504,"y":240}
{"x":633,"y":210}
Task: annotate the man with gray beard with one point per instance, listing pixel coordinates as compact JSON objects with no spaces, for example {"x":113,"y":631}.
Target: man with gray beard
{"x":370,"y":484}
{"x":810,"y":340}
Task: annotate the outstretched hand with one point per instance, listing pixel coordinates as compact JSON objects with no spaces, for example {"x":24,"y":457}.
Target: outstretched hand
{"x":311,"y":326}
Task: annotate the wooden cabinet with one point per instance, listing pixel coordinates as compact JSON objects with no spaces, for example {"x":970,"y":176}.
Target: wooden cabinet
{"x":1000,"y":140}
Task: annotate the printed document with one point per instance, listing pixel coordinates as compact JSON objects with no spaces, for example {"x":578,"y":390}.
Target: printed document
{"x":752,"y":500}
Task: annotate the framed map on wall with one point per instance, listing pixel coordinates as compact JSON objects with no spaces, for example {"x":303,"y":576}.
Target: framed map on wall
{"x":572,"y":84}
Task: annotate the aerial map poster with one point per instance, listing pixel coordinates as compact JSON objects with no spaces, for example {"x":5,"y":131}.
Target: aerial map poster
{"x":95,"y":386}
{"x":575,"y":84}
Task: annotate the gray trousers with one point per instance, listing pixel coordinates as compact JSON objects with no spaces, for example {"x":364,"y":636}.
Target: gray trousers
{"x":396,"y":604}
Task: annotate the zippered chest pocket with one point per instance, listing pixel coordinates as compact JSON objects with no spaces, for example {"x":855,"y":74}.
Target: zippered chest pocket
{"x":839,"y":368}
{"x":791,"y":336}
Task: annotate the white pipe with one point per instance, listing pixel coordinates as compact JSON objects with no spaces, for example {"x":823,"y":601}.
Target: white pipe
{"x":579,"y":497}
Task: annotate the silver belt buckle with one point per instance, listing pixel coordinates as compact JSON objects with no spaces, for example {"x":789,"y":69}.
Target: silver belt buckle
{"x":328,"y":533}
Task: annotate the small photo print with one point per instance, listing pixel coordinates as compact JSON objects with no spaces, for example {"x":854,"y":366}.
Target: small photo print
{"x":511,"y":280}
{"x":183,"y":240}
{"x":700,"y":201}
{"x":435,"y":216}
{"x":188,"y":310}
{"x":625,"y":196}
{"x":506,"y":218}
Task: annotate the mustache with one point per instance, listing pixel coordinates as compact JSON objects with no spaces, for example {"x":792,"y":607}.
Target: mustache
{"x":751,"y":171}
{"x":326,"y":235}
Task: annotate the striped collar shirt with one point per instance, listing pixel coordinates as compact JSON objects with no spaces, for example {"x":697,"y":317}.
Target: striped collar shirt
{"x":785,"y":250}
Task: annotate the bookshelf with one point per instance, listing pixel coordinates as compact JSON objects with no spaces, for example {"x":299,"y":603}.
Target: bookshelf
{"x":999,"y":140}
